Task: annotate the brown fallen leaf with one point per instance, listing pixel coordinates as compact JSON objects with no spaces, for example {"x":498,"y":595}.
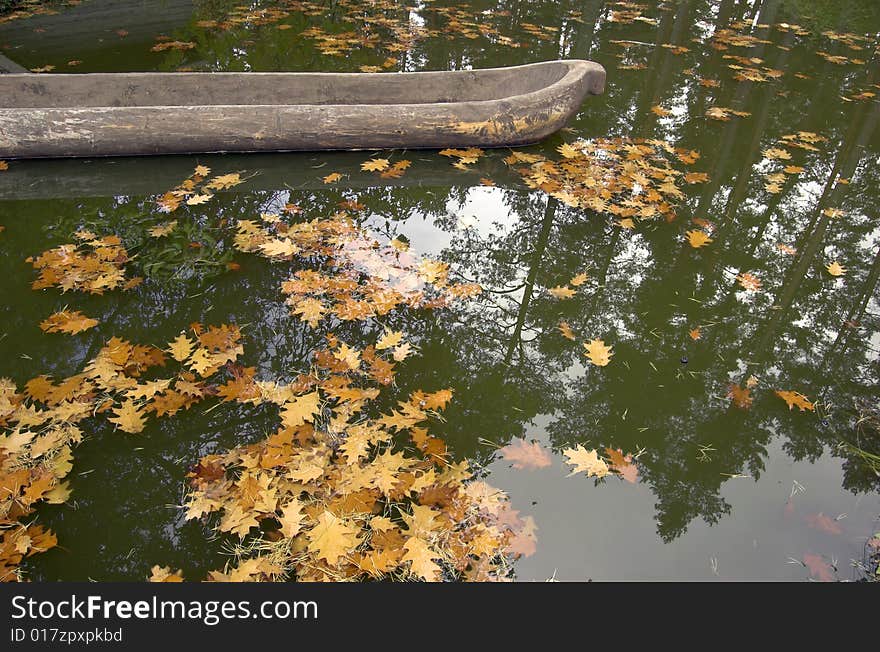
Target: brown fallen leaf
{"x":821,"y":522}
{"x":749,"y":281}
{"x":566,"y":330}
{"x":819,"y":568}
{"x":623,"y":465}
{"x":660,"y":111}
{"x":741,"y":396}
{"x":71,"y":322}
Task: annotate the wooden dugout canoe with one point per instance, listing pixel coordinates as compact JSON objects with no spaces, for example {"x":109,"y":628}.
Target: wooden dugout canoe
{"x":125,"y":114}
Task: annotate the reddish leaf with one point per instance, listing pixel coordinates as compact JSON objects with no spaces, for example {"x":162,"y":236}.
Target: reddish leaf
{"x":819,"y":568}
{"x":525,"y":455}
{"x":821,"y":522}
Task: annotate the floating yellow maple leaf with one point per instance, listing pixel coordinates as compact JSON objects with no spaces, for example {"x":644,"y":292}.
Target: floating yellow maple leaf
{"x":598,"y":353}
{"x":300,"y":409}
{"x":566,"y":330}
{"x":195,"y":200}
{"x":586,"y":461}
{"x":224,"y":181}
{"x":375,"y":165}
{"x":165,"y":574}
{"x":402,"y":351}
{"x":718,"y":113}
{"x":389,"y":340}
{"x":561,"y":292}
{"x":421,"y":559}
{"x":310,"y":310}
{"x":279,"y":248}
{"x":161,"y":230}
{"x":795,"y":399}
{"x":67,"y":322}
{"x":292,"y":518}
{"x":181,"y":347}
{"x":396,"y":171}
{"x":749,"y":281}
{"x":568,"y":151}
{"x":777,"y":153}
{"x":332,"y":537}
{"x":348,"y":356}
{"x":834,"y":268}
{"x":128,"y":417}
{"x":660,"y":111}
{"x":696,"y":177}
{"x":698,"y":238}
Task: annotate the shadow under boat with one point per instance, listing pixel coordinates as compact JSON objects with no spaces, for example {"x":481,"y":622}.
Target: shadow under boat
{"x":131,"y":176}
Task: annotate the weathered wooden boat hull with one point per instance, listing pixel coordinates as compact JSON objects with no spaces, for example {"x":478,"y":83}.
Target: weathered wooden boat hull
{"x":123,"y":114}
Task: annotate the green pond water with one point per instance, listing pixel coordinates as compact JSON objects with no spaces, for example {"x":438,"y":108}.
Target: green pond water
{"x":722,"y":493}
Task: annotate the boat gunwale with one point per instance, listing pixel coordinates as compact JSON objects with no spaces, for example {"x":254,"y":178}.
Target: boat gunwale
{"x":577,"y":69}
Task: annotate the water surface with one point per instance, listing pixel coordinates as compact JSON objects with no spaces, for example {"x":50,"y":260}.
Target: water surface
{"x":723,"y":492}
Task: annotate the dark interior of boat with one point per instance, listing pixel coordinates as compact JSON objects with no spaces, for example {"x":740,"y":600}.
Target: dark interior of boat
{"x":225,"y":89}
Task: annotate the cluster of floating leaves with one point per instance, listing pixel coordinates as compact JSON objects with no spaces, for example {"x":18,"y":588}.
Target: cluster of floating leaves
{"x":357,"y":277}
{"x":31,"y":8}
{"x":41,"y":423}
{"x":67,"y":321}
{"x":196,"y":189}
{"x":93,"y":265}
{"x":428,"y":519}
{"x":624,"y":177}
{"x":630,"y":12}
{"x":741,"y":397}
{"x":377,"y":26}
{"x":333,"y":495}
{"x":740,"y":34}
{"x":780,"y":155}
